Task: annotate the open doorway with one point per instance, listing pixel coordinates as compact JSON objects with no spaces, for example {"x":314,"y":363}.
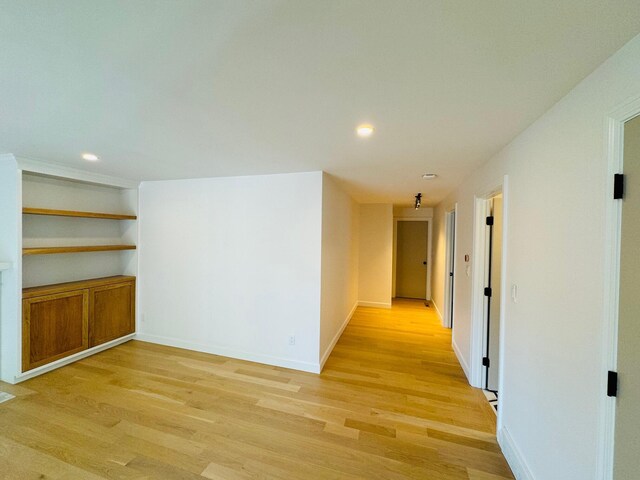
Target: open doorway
{"x":492,"y":292}
{"x":620,"y":376}
{"x":450,"y":256}
{"x":488,"y":291}
{"x":412,"y":259}
{"x":627,"y":416}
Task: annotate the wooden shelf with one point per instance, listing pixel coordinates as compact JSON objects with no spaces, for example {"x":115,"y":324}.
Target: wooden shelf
{"x":77,"y":285}
{"x":73,"y":213}
{"x":77,"y":249}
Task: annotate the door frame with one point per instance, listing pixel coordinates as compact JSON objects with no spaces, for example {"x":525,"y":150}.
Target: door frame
{"x":478,"y":336}
{"x":429,"y":221}
{"x":615,"y":122}
{"x":449,"y":291}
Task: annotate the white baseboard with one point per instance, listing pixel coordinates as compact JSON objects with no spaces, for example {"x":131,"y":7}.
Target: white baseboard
{"x":362,"y":303}
{"x":5,"y":397}
{"x":231,"y":353}
{"x":461,"y":359}
{"x":513,"y":455}
{"x":336,"y":337}
{"x":71,"y":358}
{"x":438,"y":312}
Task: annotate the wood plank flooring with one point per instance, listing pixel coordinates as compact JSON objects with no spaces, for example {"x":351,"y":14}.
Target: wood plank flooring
{"x":391,"y":403}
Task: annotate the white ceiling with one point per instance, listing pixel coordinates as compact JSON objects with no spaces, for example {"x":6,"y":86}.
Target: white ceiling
{"x":195,"y":88}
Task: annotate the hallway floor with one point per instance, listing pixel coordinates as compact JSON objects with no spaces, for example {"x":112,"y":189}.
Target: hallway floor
{"x":391,"y":403}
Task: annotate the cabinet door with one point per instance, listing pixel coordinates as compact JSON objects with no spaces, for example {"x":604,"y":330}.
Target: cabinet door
{"x":53,"y":327}
{"x":112,"y":312}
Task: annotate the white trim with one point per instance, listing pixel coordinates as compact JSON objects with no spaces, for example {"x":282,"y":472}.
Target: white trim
{"x":139,"y":251}
{"x":231,"y":353}
{"x":72,"y":358}
{"x":18,"y":268}
{"x":477,"y":286}
{"x":514,"y":456}
{"x":394,"y":259}
{"x":336,"y":337}
{"x":364,"y":303}
{"x":503,"y":298}
{"x":55,"y":170}
{"x":449,"y":256}
{"x":461,"y":359}
{"x":429,"y":250}
{"x":614,"y":126}
{"x":438,"y":312}
{"x":478,"y":336}
{"x":5,"y":397}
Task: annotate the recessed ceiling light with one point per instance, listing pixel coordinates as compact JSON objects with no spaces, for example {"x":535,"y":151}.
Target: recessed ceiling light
{"x":429,"y":176}
{"x":91,"y":157}
{"x":365,"y":130}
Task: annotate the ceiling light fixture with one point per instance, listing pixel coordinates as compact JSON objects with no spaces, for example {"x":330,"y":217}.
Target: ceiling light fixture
{"x":418,"y":200}
{"x":429,"y":176}
{"x":90,"y":157}
{"x":365,"y":130}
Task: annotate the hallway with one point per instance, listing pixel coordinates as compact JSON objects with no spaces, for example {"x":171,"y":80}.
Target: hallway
{"x":391,"y":403}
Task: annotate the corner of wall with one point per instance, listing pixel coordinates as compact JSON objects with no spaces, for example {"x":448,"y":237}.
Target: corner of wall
{"x":376,"y":255}
{"x":461,"y":359}
{"x":514,"y":456}
{"x":10,"y":252}
{"x":339,"y":264}
{"x":435,"y":307}
{"x":334,"y":341}
{"x":365,"y":303}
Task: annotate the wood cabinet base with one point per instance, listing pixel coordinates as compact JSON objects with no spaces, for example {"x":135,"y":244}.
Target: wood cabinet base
{"x":63,"y":319}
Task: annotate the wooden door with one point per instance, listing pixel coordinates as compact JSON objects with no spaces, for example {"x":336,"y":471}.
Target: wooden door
{"x":627,"y":440}
{"x":451,"y":264}
{"x":411,"y":260}
{"x":495,"y":283}
{"x":54,"y":326}
{"x":112,"y":312}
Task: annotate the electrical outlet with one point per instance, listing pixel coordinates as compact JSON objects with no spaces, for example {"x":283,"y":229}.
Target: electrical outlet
{"x":292,"y":340}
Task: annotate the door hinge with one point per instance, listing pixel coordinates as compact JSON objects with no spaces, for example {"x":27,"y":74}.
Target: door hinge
{"x":451,"y":274}
{"x":618,"y":186}
{"x":490,"y":220}
{"x":612,"y":384}
{"x":486,"y":362}
{"x":487,"y":291}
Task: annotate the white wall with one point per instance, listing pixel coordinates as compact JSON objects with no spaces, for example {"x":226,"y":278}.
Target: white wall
{"x":376,"y":255}
{"x":233,"y":266}
{"x":10,"y":251}
{"x":339,"y":297}
{"x":410,"y":212}
{"x":438,"y":259}
{"x":552,"y":398}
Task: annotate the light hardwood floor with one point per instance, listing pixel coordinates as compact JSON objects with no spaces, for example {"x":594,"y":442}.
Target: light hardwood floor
{"x":391,"y":403}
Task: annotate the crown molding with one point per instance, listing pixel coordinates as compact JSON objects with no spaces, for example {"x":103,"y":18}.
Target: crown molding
{"x":60,"y":171}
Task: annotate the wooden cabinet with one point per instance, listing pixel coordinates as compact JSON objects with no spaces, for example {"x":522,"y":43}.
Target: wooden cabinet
{"x":54,"y":326}
{"x":63,"y":319}
{"x":112,"y":310}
